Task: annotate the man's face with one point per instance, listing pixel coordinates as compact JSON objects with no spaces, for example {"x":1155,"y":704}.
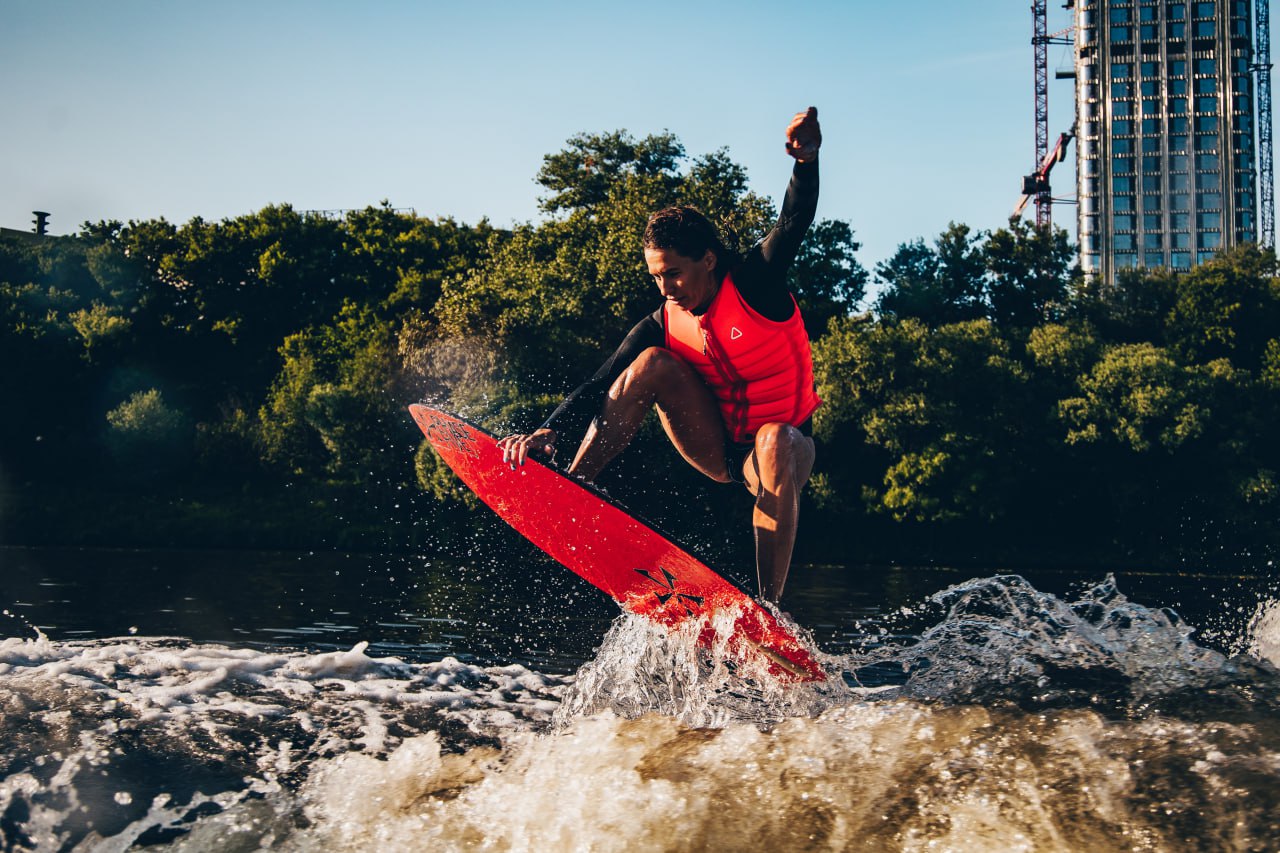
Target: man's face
{"x":689,"y":283}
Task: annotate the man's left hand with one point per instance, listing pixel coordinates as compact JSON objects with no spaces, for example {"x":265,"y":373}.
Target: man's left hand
{"x":804,"y":136}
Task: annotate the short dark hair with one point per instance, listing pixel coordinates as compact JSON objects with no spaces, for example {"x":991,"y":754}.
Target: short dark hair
{"x":686,"y":230}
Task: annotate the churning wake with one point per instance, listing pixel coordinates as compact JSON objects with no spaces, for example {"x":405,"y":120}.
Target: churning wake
{"x":1011,"y":720}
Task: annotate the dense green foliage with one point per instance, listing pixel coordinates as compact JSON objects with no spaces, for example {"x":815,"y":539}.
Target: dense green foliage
{"x":999,"y":396}
{"x":244,"y":382}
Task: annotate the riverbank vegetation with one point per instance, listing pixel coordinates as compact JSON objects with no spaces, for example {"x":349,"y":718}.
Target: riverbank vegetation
{"x":244,"y":382}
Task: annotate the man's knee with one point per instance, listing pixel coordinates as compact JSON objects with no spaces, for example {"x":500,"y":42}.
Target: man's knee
{"x":656,"y":359}
{"x":782,"y":449}
{"x":651,"y":367}
{"x":779,"y":439}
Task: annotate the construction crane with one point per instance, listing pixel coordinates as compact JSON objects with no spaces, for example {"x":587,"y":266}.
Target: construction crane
{"x":1036,"y":185}
{"x":1262,"y":72}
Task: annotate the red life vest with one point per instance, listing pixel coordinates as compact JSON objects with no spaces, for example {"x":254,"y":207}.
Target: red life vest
{"x":759,"y":370}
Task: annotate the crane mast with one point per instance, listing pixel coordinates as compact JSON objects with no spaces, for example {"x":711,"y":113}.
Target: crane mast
{"x":1040,"y":44}
{"x":1262,"y":72}
{"x":1036,"y":185}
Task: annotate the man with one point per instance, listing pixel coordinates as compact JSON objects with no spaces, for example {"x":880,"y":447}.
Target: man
{"x":725,"y":360}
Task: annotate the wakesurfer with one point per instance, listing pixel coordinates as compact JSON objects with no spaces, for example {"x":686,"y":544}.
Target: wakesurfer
{"x":725,"y":360}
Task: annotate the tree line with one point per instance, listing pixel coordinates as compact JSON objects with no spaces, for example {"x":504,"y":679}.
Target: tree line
{"x":244,"y":382}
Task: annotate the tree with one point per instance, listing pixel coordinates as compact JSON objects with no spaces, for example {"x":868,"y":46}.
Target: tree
{"x":1132,"y":308}
{"x":1031,"y":271}
{"x":1137,"y":397}
{"x":148,"y":437}
{"x":944,"y":405}
{"x":962,"y":271}
{"x":399,"y":262}
{"x":99,"y":326}
{"x":1063,"y":352}
{"x":1227,"y":308}
{"x":331,"y":411}
{"x":826,"y":278}
{"x":582,"y":176}
{"x":939,"y":285}
{"x":67,"y":309}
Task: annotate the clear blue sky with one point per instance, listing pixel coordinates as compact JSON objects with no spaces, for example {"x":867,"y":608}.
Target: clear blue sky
{"x":134,"y":110}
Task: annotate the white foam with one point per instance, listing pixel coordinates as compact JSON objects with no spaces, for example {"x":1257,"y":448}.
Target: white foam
{"x":158,"y":679}
{"x":643,"y":668}
{"x":241,"y":720}
{"x":886,"y":776}
{"x":1263,"y":638}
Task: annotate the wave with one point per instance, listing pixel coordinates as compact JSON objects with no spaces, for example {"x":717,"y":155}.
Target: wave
{"x":1011,"y":719}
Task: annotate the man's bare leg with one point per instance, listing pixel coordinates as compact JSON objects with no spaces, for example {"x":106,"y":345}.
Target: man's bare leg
{"x":688,"y":412}
{"x":775,"y":472}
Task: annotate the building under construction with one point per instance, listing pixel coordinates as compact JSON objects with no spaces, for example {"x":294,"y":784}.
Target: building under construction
{"x":1167,"y":107}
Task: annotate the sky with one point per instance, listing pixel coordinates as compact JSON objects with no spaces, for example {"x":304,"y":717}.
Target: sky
{"x":139,"y":110}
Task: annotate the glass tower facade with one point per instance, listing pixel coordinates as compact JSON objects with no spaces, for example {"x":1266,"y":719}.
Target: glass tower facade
{"x":1165,"y":121}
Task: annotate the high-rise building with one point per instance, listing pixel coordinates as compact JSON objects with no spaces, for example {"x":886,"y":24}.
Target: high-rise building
{"x":1165,"y":128}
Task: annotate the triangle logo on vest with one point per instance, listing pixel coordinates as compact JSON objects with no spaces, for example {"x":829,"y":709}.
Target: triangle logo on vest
{"x":734,"y":333}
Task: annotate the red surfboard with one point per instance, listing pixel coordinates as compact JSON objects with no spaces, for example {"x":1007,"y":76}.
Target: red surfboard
{"x":641,"y":569}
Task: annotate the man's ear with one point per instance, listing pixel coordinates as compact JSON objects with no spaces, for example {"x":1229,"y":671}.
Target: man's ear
{"x":710,"y":260}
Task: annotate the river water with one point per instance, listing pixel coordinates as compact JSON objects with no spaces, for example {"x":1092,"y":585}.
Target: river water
{"x":229,"y":701}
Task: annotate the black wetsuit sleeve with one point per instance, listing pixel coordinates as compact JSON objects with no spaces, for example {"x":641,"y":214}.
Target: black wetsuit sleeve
{"x":761,"y":277}
{"x":585,"y":402}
